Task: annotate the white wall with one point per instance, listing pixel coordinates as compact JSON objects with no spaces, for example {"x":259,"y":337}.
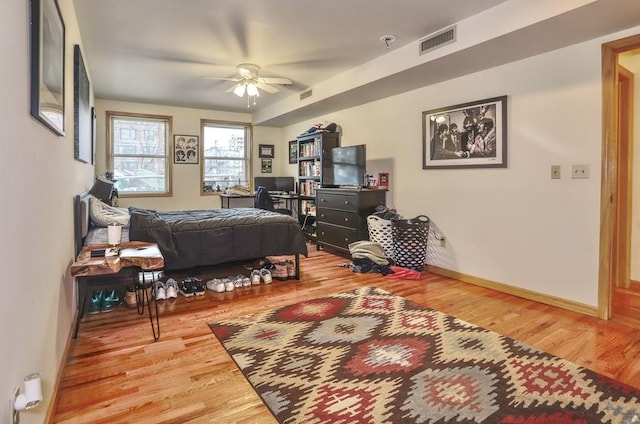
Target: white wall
{"x":39,"y":178}
{"x":514,"y":226}
{"x":186,"y":178}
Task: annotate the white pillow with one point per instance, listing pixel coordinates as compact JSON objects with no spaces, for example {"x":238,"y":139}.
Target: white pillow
{"x":103,"y":215}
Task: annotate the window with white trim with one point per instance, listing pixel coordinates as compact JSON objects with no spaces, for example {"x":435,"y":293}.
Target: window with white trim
{"x":138,"y":153}
{"x":226,"y":155}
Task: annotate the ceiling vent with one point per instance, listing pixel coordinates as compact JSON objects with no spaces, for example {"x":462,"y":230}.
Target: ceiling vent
{"x":306,"y":94}
{"x":438,"y":39}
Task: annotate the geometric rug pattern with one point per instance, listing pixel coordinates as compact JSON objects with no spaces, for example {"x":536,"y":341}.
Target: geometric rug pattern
{"x":368,"y":356}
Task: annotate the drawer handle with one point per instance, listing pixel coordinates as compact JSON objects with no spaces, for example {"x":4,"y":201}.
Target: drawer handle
{"x":321,"y":215}
{"x":346,"y":220}
{"x":346,"y":239}
{"x":322,"y":200}
{"x":322,"y":232}
{"x":346,"y":202}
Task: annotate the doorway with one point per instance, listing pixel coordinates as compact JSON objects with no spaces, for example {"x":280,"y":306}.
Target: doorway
{"x":617,"y":172}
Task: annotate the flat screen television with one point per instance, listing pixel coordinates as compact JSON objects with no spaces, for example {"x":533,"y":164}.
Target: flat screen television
{"x":345,"y":166}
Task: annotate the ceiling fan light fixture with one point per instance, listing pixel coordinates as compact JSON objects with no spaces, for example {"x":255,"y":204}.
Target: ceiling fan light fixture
{"x":252,"y":89}
{"x":239,"y":90}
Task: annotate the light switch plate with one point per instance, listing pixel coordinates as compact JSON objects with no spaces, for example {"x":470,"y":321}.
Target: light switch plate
{"x":555,"y":172}
{"x":580,"y":171}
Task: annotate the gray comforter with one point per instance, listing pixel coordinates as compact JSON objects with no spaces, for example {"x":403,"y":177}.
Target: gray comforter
{"x":208,"y":237}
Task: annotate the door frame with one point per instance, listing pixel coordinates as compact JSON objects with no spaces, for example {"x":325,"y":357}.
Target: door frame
{"x":610,"y":242}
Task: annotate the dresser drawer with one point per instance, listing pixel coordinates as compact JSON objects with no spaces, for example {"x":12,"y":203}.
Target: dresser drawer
{"x":338,"y":217}
{"x":336,"y":236}
{"x":347,"y":201}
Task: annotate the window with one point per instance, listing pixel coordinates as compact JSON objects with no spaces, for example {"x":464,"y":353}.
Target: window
{"x":226,"y":148}
{"x":138,"y":153}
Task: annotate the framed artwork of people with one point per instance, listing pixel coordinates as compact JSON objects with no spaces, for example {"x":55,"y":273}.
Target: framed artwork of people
{"x":468,"y":135}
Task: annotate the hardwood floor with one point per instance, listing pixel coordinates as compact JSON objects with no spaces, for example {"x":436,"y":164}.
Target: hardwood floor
{"x":116,"y":373}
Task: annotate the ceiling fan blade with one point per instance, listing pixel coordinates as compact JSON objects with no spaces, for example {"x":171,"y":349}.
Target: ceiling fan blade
{"x":266,"y":87}
{"x":275,"y":80}
{"x":222,"y":79}
{"x":233,"y":87}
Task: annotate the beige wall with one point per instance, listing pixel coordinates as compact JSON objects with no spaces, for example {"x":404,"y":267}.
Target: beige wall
{"x":514,"y":226}
{"x":39,"y":178}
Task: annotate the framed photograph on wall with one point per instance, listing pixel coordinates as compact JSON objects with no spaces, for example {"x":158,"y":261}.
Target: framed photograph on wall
{"x":266,"y":151}
{"x":47,"y":64}
{"x":266,"y":166}
{"x":469,"y":135}
{"x":82,"y":140}
{"x":293,"y":151}
{"x":185,"y":148}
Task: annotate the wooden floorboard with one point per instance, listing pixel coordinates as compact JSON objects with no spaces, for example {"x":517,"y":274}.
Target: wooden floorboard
{"x":116,"y":373}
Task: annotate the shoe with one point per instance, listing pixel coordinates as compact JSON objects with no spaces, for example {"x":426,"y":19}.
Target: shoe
{"x":246,"y":281}
{"x":198,"y":287}
{"x":171,"y":288}
{"x":160,"y":290}
{"x":187,"y":288}
{"x":279,"y":271}
{"x":255,"y":277}
{"x":130,"y":297}
{"x":96,"y":302}
{"x":216,"y":285}
{"x":291,"y":270}
{"x":229,"y":285}
{"x":111,"y":301}
{"x":265,"y":274}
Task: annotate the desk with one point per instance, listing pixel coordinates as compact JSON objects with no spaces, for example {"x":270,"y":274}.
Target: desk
{"x":135,"y":254}
{"x":226,"y":198}
{"x":289,"y":199}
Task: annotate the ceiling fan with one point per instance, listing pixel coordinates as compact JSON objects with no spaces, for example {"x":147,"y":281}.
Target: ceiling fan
{"x":250,"y":82}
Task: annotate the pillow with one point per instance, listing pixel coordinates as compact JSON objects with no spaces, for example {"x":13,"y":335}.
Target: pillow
{"x":103,"y":215}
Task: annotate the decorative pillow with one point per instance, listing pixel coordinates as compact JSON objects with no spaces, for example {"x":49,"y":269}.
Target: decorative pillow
{"x":103,"y":215}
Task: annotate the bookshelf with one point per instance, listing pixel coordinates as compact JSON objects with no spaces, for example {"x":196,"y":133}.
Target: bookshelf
{"x":312,"y":148}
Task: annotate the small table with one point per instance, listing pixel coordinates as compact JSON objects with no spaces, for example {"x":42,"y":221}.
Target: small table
{"x":289,"y":199}
{"x":143,"y":255}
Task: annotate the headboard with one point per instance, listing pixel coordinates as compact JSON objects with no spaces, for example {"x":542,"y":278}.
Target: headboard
{"x":80,"y":219}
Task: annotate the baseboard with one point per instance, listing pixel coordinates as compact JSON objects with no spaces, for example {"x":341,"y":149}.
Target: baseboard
{"x":65,"y":355}
{"x":516,"y":291}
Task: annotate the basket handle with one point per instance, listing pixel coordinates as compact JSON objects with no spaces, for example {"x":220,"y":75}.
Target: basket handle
{"x":374,"y":218}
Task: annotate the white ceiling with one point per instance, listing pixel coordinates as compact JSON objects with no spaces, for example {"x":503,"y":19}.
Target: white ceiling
{"x":159,"y":51}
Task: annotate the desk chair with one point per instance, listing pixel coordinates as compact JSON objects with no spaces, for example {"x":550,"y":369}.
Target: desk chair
{"x":263,"y":200}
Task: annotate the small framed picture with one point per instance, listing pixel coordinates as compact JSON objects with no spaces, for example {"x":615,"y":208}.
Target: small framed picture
{"x":293,"y":151}
{"x":383,"y":181}
{"x":185,"y":148}
{"x":267,"y":166}
{"x":265,"y":151}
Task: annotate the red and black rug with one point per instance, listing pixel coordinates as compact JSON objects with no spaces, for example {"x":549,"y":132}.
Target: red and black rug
{"x":368,"y":356}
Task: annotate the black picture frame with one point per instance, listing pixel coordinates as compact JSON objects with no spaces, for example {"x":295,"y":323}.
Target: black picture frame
{"x":94,"y":129}
{"x":186,"y":148}
{"x":468,"y":135}
{"x":266,"y":166}
{"x":293,"y":151}
{"x":47,"y":64}
{"x":266,"y":151}
{"x":82,"y":123}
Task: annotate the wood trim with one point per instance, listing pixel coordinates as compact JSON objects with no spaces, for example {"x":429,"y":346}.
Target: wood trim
{"x":608,"y":185}
{"x":517,"y":291}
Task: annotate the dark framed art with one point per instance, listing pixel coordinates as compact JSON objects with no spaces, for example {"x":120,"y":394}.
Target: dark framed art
{"x":185,"y":148}
{"x":83,"y":143}
{"x":47,"y":64}
{"x":468,"y":135}
{"x":94,"y":130}
{"x":266,"y":151}
{"x":293,"y":151}
{"x":266,"y":166}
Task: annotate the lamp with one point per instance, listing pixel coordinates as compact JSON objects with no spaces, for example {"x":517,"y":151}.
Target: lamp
{"x":239,"y":90}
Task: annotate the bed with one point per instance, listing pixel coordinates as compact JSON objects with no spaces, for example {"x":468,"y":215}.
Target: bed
{"x":188,"y":239}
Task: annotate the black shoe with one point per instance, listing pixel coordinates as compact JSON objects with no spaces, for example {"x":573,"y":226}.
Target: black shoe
{"x":187,"y":288}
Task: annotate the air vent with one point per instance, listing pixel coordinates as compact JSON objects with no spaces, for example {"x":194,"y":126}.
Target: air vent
{"x":438,"y":39}
{"x":306,"y":94}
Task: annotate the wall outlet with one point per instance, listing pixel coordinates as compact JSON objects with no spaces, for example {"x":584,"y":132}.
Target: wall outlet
{"x":443,"y":241}
{"x":555,"y":172}
{"x":579,"y":171}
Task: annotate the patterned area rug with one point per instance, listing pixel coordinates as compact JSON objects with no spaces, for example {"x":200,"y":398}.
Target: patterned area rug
{"x":368,"y":356}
